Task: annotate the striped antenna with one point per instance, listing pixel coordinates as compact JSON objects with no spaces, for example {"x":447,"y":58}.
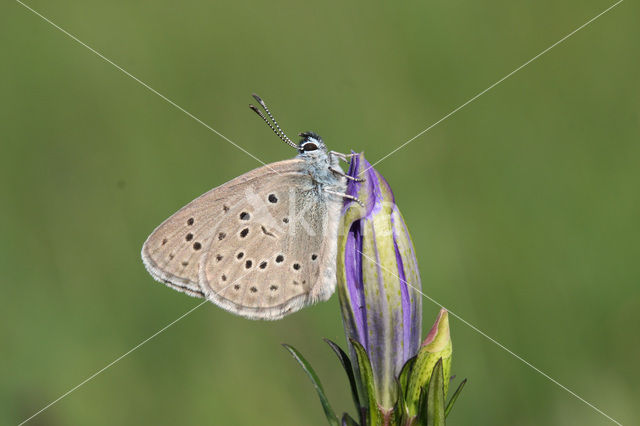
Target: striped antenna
{"x":282,"y":136}
{"x":280,"y":132}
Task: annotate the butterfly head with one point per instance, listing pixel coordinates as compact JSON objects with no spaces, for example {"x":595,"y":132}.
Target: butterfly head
{"x":311,"y":145}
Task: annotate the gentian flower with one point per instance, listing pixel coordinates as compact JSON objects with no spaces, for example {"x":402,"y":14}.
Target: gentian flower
{"x":394,"y":379}
{"x":378,"y":279}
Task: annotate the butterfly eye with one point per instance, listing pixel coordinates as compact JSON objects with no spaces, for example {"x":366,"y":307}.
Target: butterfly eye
{"x":309,"y":146}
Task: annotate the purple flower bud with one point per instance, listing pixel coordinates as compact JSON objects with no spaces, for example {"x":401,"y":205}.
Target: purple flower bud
{"x":378,"y":279}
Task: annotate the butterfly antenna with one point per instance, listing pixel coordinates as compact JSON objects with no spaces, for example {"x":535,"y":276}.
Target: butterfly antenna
{"x":280,"y":132}
{"x":284,"y":139}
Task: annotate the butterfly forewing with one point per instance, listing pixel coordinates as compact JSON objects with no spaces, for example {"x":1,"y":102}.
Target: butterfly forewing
{"x":254,"y":245}
{"x":172,"y":252}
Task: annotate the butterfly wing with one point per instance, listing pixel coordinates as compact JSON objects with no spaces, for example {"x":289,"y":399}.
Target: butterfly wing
{"x":174,"y":249}
{"x":274,"y":252}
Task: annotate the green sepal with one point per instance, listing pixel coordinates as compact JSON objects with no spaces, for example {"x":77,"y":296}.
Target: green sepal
{"x":347,"y":420}
{"x":403,"y":377}
{"x":348,"y":368}
{"x":328,"y":411}
{"x":366,"y":377}
{"x":400,"y":413}
{"x":432,"y":401}
{"x":454,"y":397}
{"x":437,"y":345}
{"x":419,"y":378}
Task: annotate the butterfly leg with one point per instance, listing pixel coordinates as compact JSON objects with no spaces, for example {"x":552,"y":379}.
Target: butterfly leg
{"x":343,"y":157}
{"x":347,"y":196}
{"x":341,"y":173}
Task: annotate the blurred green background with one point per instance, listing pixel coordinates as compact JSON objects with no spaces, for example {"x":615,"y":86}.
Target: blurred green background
{"x":523,"y":206}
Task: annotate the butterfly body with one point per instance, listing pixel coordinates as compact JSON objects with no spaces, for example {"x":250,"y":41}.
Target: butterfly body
{"x":262,"y":245}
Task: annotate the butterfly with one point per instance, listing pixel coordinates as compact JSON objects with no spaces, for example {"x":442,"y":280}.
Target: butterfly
{"x":262,"y":245}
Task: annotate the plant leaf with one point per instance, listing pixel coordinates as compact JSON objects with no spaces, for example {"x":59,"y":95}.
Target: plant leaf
{"x":454,"y":397}
{"x":347,"y":420}
{"x":328,"y":411}
{"x":366,"y":377}
{"x":348,"y":368}
{"x":434,"y":408}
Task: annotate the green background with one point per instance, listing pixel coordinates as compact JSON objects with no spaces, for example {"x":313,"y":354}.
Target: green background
{"x":523,"y":206}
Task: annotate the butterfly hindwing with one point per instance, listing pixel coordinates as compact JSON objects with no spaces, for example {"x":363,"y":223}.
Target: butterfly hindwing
{"x":270,"y":256}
